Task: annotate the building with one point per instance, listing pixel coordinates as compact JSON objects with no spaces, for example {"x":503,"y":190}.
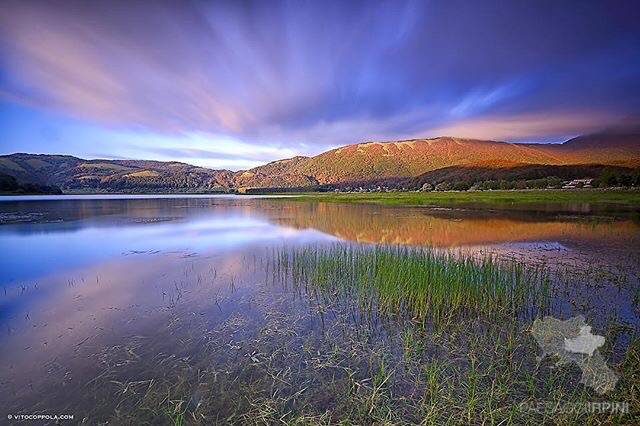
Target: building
{"x":577,"y":183}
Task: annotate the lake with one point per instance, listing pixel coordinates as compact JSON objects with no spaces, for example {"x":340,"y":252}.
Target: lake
{"x":241,"y":309}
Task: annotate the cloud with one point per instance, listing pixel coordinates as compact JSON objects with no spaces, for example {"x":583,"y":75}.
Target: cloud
{"x":311,"y":75}
{"x":524,"y":127}
{"x":214,"y":150}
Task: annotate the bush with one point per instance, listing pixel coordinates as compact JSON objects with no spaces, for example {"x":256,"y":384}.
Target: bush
{"x":443,"y":186}
{"x":461,"y":186}
{"x":624,"y":180}
{"x":537,"y":183}
{"x":554,"y":182}
{"x":489,"y":184}
{"x":607,"y":177}
{"x":426,"y":187}
{"x":505,"y":184}
{"x":635,"y":177}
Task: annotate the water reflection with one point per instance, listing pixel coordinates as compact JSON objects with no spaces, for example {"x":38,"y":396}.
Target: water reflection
{"x":42,"y":236}
{"x":45,"y":236}
{"x":455,"y":227}
{"x":82,"y":279}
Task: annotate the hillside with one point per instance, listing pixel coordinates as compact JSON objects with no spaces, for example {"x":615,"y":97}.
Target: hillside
{"x":280,"y":173}
{"x":73,"y":174}
{"x":375,"y":160}
{"x":371,"y":162}
{"x":613,"y":147}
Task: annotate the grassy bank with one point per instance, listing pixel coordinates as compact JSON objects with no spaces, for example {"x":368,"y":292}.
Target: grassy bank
{"x":622,"y":197}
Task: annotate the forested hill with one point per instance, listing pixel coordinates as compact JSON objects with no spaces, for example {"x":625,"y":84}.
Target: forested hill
{"x":74,"y":174}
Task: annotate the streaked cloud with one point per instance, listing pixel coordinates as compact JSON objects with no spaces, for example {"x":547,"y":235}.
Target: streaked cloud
{"x":530,"y":128}
{"x":290,"y":77}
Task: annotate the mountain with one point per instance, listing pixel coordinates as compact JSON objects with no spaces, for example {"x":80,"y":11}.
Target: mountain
{"x":72,"y":173}
{"x":277,"y":174}
{"x":370,"y":162}
{"x":612,"y":147}
{"x":376,"y":160}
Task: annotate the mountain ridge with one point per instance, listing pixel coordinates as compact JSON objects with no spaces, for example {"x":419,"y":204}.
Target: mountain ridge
{"x":367,"y":161}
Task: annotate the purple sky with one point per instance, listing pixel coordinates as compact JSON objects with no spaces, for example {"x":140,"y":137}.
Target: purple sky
{"x":239,"y":83}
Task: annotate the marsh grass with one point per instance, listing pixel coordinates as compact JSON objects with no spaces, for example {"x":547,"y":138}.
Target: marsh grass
{"x":439,"y":287}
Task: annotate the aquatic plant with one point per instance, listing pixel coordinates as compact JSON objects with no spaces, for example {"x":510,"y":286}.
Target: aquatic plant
{"x":430,"y":284}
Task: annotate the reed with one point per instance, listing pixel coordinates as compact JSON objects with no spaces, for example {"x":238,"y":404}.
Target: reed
{"x":434,"y":285}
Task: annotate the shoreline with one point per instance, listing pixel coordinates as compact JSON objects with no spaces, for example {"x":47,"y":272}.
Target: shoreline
{"x":626,"y":197}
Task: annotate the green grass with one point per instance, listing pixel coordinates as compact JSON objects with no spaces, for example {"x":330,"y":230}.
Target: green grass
{"x":624,"y":197}
{"x":436,"y":286}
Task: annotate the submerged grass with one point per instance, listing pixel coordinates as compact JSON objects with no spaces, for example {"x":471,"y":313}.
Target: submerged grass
{"x":431,"y":285}
{"x":271,"y":357}
{"x":282,"y":374}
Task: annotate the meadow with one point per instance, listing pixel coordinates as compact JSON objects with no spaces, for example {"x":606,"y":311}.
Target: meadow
{"x":619,"y":197}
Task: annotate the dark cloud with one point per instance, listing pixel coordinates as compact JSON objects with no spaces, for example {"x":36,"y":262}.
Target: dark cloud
{"x":327,"y":72}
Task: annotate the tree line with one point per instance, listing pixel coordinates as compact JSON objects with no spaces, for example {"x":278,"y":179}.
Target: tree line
{"x":609,"y":177}
{"x":9,"y":185}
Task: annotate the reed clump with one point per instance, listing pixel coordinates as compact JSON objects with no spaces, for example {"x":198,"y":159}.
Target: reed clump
{"x":429,"y":284}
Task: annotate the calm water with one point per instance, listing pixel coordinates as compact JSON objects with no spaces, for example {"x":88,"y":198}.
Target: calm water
{"x":100,"y":291}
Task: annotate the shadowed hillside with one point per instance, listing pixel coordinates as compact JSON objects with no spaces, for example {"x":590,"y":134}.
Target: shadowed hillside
{"x":497,"y":170}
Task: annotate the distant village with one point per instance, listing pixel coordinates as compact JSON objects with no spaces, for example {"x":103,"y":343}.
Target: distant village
{"x":427,"y":187}
{"x":543,"y":183}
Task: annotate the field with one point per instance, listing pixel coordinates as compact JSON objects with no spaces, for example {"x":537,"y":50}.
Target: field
{"x":623,"y":197}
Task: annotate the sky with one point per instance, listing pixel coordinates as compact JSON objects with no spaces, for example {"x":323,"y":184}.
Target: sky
{"x":235,"y":84}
